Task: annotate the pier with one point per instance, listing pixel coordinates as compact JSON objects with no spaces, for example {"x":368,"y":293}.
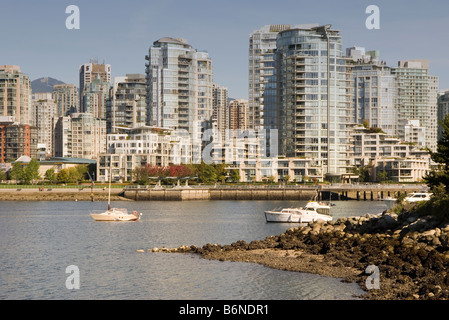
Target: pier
{"x":359,"y":192}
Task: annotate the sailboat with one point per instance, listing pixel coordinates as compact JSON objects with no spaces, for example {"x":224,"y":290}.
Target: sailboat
{"x":115,"y":214}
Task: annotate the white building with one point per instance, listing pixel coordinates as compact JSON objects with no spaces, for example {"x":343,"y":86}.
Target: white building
{"x":131,"y":148}
{"x":179,"y":87}
{"x":374,"y":90}
{"x":417,"y":98}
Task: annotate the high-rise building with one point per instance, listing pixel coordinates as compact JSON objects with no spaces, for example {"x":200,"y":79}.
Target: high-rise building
{"x":374,"y":90}
{"x":15,"y":94}
{"x":262,"y":73}
{"x":95,"y":94}
{"x":126,"y":104}
{"x":16,"y":139}
{"x":67,"y":99}
{"x":237,"y":115}
{"x":417,"y":98}
{"x":313,"y":97}
{"x":179,"y":86}
{"x":63,"y":137}
{"x":88,"y":136}
{"x":220,"y":103}
{"x":43,"y":116}
{"x":89,"y":72}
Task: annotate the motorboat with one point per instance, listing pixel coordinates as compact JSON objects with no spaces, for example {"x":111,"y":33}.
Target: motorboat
{"x":412,"y":197}
{"x":312,"y":211}
{"x":418,"y":196}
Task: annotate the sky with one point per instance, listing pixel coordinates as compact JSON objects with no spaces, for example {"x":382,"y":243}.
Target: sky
{"x":33,"y":34}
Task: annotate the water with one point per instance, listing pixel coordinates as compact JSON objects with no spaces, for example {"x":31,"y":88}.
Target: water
{"x":38,"y":240}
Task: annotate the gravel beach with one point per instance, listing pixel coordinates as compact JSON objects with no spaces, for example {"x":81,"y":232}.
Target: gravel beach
{"x":410,"y":252}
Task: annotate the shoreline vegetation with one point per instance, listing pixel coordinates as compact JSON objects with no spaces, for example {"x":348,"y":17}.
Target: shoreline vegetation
{"x":48,"y":194}
{"x":410,"y":250}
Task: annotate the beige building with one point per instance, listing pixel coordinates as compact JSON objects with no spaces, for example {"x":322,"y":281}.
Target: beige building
{"x":80,"y":135}
{"x":15,"y":94}
{"x":43,"y":116}
{"x":219,"y":105}
{"x":66,"y":97}
{"x":237,"y":115}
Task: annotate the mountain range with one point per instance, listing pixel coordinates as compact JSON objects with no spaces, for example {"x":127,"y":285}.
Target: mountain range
{"x":44,"y":84}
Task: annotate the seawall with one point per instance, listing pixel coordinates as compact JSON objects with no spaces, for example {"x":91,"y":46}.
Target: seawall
{"x":182,"y":194}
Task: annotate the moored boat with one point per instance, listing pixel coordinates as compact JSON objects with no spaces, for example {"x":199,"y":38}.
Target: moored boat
{"x":312,"y":211}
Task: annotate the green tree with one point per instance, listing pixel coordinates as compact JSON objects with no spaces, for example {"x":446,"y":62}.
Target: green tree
{"x":16,"y":172}
{"x":382,"y":176}
{"x":206,"y":172}
{"x":72,"y":174}
{"x":140,"y":175}
{"x":50,"y":175}
{"x":441,"y":156}
{"x":31,"y":171}
{"x":234,"y":175}
{"x":438,"y":179}
{"x":362,"y":172}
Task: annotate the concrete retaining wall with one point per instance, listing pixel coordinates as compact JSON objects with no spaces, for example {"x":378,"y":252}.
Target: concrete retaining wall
{"x":218,"y":194}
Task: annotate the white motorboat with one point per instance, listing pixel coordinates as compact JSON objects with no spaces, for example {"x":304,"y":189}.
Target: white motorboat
{"x":413,"y":197}
{"x":312,"y":211}
{"x":418,"y":196}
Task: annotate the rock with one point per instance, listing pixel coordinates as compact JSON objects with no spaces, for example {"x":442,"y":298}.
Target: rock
{"x":140,"y":250}
{"x":155,"y":249}
{"x":407,"y":242}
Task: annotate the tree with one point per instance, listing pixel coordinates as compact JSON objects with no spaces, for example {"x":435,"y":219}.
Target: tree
{"x":31,"y":171}
{"x":206,"y":173}
{"x":382,"y":176}
{"x":234,"y":175}
{"x":50,"y":175}
{"x":440,"y":176}
{"x":16,"y":172}
{"x":362,"y":172}
{"x":72,"y":174}
{"x":438,"y":179}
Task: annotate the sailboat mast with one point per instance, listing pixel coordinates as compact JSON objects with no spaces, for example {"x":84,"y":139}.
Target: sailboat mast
{"x":110,"y":178}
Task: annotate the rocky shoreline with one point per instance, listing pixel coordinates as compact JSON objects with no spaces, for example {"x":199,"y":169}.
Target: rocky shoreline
{"x":410,"y":251}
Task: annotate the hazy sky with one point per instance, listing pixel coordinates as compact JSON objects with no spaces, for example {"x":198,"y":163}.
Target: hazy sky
{"x":34,"y":36}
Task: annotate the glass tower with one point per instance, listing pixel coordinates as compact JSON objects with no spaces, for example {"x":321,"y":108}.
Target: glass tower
{"x":179,"y":86}
{"x":313,"y":107}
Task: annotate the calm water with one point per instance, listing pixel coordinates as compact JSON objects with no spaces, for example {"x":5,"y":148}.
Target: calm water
{"x":38,"y":240}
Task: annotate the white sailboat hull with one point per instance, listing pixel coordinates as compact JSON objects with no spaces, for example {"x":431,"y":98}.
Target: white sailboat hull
{"x":115,"y":215}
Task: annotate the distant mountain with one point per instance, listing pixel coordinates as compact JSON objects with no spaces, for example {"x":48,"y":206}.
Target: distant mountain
{"x":44,"y":84}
